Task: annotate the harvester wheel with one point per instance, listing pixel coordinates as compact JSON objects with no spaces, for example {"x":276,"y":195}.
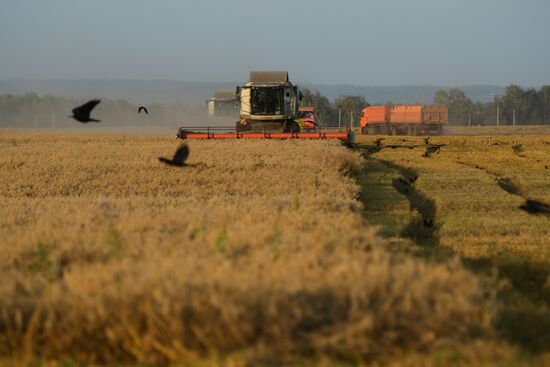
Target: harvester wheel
{"x":239,"y":127}
{"x":292,"y":127}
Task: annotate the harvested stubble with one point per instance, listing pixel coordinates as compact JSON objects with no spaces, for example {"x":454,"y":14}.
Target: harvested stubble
{"x":260,"y":246}
{"x":482,"y":190}
{"x":497,"y":130}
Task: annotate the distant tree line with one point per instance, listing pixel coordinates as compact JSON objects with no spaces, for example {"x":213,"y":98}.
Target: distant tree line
{"x":525,"y":106}
{"x":344,"y":109}
{"x":34,"y":111}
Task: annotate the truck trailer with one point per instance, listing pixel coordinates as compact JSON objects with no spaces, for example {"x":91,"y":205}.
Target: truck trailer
{"x":404,"y":119}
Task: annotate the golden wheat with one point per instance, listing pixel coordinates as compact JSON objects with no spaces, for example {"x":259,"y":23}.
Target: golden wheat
{"x":108,"y":256}
{"x":470,"y":198}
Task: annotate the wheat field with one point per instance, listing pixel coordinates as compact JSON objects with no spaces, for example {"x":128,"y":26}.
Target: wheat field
{"x":492,"y":130}
{"x":473,"y":197}
{"x":257,"y":249}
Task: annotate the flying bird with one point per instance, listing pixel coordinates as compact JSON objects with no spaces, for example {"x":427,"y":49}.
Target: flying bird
{"x":82,"y":113}
{"x":179,"y":157}
{"x":141,"y":108}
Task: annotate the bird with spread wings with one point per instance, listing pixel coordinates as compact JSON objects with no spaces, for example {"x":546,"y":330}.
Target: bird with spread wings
{"x":82,"y":113}
{"x":181,"y":155}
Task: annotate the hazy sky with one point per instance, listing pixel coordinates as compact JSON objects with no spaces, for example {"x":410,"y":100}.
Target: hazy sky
{"x":390,"y":42}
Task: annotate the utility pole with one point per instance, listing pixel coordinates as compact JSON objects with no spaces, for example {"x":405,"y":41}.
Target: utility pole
{"x":339,"y":117}
{"x":351,"y":119}
{"x":497,"y":101}
{"x":514,"y":117}
{"x":469,"y":119}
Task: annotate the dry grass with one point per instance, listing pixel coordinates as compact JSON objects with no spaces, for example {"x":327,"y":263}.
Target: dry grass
{"x":474,"y":190}
{"x":463,"y":180}
{"x":257,"y":248}
{"x":498,"y":130}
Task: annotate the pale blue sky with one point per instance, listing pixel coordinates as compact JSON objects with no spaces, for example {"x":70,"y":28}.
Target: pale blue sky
{"x":390,"y":42}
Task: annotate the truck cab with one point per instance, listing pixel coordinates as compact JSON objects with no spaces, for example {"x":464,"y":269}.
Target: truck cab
{"x":308,"y":117}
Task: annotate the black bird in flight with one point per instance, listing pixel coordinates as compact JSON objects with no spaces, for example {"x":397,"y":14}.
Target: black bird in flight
{"x":141,"y":108}
{"x":82,"y":113}
{"x":179,"y":157}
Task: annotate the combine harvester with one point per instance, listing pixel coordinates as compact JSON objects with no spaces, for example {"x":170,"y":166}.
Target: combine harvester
{"x":222,"y":104}
{"x":270,"y":109}
{"x":401,"y":120}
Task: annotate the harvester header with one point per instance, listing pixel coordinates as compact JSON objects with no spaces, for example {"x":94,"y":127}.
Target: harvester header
{"x":344,"y":134}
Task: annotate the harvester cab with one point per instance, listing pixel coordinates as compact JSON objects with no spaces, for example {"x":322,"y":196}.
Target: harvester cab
{"x":269,"y":102}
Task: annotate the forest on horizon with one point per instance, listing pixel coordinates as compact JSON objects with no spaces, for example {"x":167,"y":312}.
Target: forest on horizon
{"x":516,"y":105}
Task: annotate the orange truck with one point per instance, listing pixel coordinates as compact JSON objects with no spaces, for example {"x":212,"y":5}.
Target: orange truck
{"x":404,"y":119}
